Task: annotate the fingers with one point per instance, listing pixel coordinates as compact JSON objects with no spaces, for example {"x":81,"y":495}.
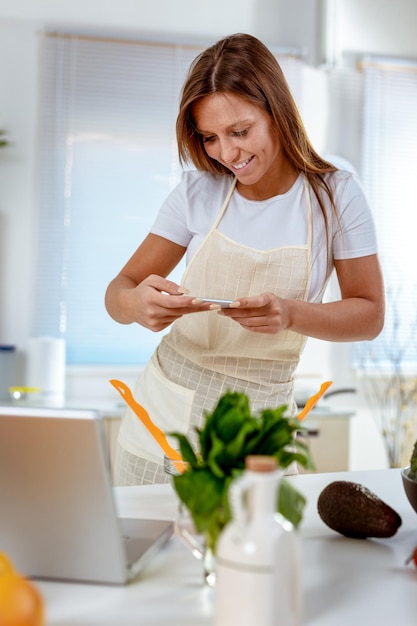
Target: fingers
{"x":260,"y":314}
{"x":253,"y":307}
{"x":164,"y":285}
{"x":262,"y":325}
{"x":166,"y":294}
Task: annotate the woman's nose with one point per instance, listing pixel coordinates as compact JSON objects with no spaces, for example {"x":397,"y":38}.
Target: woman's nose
{"x":228,"y":151}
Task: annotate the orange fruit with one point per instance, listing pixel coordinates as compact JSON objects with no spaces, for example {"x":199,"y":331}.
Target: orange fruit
{"x":21,"y":604}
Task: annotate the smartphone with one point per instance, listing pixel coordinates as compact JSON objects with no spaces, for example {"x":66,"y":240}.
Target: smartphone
{"x":224,"y":304}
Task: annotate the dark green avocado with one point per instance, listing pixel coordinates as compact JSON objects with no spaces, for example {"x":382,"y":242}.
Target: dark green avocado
{"x":354,"y":511}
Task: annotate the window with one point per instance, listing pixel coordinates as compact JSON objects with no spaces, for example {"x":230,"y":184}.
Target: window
{"x":108,"y":159}
{"x":389,"y":167}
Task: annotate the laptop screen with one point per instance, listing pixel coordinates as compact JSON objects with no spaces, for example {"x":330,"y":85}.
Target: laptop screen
{"x":58,"y":517}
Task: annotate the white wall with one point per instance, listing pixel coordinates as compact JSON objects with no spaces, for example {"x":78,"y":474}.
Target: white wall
{"x":370,"y":25}
{"x":272,"y":20}
{"x":379,"y":27}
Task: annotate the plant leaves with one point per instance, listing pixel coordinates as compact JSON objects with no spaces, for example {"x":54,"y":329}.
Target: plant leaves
{"x":229,"y":435}
{"x":291,"y":502}
{"x":412,"y":473}
{"x":187,"y":451}
{"x":200,"y":491}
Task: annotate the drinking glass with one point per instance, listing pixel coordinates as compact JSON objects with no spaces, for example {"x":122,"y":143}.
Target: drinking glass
{"x":185,"y":530}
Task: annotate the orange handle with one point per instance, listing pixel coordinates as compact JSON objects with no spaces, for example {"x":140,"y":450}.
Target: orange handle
{"x":311,"y":402}
{"x":143,"y":415}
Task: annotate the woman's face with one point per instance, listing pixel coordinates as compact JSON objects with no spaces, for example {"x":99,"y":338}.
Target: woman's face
{"x":240,"y":136}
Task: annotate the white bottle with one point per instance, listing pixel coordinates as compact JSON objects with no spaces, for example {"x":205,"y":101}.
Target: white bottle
{"x":258,"y":554}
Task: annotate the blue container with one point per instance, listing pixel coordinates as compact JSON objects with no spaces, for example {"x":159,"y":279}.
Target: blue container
{"x":8,"y":369}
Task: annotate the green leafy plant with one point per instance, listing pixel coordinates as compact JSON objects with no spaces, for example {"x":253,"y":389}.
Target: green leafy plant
{"x":3,"y":140}
{"x":229,"y":435}
{"x":412,"y":473}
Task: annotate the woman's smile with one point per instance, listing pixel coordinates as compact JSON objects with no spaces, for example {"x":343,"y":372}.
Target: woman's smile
{"x":240,"y":166}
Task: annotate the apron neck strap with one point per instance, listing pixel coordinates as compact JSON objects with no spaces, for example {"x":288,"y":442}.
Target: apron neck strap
{"x":225,"y":204}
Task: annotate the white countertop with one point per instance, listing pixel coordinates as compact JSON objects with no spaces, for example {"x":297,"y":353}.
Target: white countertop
{"x":116,"y":408}
{"x":346,"y":582}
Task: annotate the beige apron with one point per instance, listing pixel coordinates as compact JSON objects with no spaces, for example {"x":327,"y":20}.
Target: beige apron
{"x":205,"y":354}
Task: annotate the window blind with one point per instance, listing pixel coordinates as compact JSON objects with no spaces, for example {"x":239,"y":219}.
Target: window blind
{"x":389,"y":167}
{"x":108,"y":158}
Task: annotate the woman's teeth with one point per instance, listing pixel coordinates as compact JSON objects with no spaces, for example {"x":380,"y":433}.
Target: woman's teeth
{"x":241,"y":165}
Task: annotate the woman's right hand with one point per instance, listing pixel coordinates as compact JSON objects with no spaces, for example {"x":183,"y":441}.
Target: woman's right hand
{"x":140,"y":292}
{"x":155,"y":303}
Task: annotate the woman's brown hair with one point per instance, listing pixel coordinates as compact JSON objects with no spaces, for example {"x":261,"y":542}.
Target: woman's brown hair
{"x":243,"y":65}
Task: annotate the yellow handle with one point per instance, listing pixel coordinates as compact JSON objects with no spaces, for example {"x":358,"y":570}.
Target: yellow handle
{"x":311,"y":402}
{"x":143,"y":415}
{"x":25,"y":389}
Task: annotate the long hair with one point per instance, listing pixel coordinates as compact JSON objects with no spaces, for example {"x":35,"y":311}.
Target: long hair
{"x":243,"y":65}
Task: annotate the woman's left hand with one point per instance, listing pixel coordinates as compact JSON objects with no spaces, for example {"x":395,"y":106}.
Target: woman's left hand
{"x":266,"y":313}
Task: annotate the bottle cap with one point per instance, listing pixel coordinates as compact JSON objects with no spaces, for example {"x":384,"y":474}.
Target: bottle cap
{"x":261,"y":463}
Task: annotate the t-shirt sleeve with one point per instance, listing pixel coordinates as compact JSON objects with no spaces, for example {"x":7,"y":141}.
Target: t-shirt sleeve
{"x":355,"y":234}
{"x":171,"y":220}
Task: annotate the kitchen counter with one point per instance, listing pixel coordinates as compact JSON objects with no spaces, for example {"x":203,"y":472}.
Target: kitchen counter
{"x":345,"y":581}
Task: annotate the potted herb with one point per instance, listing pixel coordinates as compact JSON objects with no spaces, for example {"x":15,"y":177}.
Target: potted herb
{"x":231,"y":433}
{"x":412,"y":472}
{"x":409,"y":479}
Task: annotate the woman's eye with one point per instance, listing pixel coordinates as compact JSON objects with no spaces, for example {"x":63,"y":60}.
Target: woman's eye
{"x":208,"y":139}
{"x":240,"y":133}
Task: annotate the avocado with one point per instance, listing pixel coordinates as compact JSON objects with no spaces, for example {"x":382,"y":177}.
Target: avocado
{"x":354,"y":511}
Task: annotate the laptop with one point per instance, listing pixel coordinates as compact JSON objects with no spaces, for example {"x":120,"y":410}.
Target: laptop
{"x":58,"y":517}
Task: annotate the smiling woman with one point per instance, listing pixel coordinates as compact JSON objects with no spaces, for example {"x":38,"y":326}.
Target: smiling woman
{"x":257,"y":178}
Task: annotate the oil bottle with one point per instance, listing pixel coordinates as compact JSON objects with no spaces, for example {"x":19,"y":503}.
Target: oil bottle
{"x":258,"y":554}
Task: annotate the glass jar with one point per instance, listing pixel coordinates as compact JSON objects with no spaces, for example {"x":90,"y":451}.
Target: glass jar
{"x":185,"y":529}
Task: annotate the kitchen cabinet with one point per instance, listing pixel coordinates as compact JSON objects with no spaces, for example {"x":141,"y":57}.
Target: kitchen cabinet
{"x":112,"y":425}
{"x":329,"y":439}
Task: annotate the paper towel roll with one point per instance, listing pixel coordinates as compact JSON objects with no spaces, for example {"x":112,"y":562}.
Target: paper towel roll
{"x":46,"y":365}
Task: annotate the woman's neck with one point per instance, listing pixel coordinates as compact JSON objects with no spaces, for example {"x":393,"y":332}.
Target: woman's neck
{"x":272,"y":184}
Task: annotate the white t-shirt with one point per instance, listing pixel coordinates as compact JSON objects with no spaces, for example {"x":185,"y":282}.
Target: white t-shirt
{"x":190,"y":210}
